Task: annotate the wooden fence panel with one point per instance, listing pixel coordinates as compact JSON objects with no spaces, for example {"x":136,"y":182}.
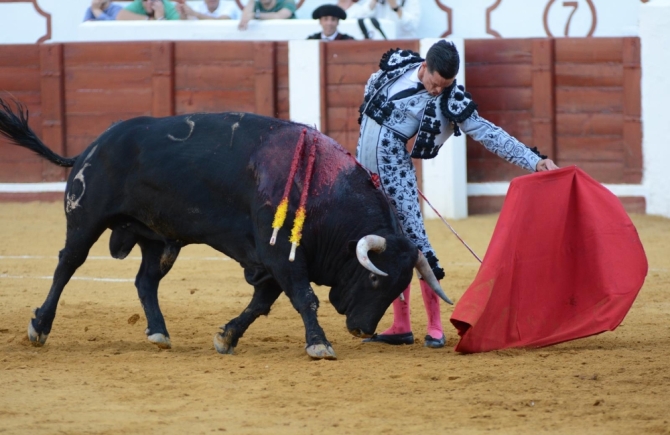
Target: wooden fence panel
{"x":504,"y":98}
{"x":21,"y":80}
{"x":543,"y":97}
{"x":589,"y":124}
{"x":281,"y":67}
{"x":162,"y":78}
{"x":219,"y":76}
{"x":499,"y":76}
{"x":53,"y":104}
{"x":577,"y":99}
{"x":590,"y":100}
{"x":606,"y":74}
{"x":632,"y":111}
{"x":265,"y":79}
{"x":583,"y":102}
{"x":108,"y":82}
{"x":588,"y":50}
{"x":498,"y":52}
{"x":232,"y":90}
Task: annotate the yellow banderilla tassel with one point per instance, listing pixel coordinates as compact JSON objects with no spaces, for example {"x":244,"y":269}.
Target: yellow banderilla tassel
{"x":280,"y":217}
{"x":296,"y":232}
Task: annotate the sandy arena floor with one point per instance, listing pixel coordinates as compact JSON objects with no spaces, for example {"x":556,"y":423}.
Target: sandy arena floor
{"x":98,"y":374}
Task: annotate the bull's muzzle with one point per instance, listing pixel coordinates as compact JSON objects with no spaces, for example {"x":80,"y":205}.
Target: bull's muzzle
{"x":359,"y":333}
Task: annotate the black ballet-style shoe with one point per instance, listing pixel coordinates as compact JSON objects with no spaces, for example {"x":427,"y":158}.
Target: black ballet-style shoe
{"x":435,"y":343}
{"x":394,"y":339}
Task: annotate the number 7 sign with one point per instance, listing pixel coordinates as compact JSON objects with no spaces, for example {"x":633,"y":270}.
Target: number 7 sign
{"x":548,"y":10}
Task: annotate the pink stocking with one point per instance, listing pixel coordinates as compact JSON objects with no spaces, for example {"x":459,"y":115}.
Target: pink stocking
{"x":432,"y":303}
{"x":401,"y":320}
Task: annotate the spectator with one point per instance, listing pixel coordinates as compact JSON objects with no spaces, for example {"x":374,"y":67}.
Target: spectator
{"x":149,"y":10}
{"x":405,"y":13}
{"x":266,"y":10}
{"x":102,"y":10}
{"x":329,"y":17}
{"x":355,"y":9}
{"x":210,"y":10}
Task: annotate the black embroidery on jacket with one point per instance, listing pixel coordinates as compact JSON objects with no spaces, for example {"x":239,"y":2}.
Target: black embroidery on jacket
{"x":432,"y":262}
{"x":394,"y":63}
{"x":397,"y":58}
{"x":424,"y":145}
{"x":458,"y":106}
{"x":537,"y":153}
{"x":379,"y":109}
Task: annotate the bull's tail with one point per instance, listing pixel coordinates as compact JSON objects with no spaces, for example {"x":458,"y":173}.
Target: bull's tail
{"x":14,"y":126}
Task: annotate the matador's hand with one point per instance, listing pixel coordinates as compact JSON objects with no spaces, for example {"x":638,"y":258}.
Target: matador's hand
{"x":546,"y":165}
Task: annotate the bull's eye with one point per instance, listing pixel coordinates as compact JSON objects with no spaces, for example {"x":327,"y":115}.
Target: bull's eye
{"x":374,"y":279}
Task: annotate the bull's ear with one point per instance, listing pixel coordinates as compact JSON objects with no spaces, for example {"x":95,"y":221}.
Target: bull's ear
{"x":351,"y":247}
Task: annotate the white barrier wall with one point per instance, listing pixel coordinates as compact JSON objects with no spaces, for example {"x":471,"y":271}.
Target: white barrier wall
{"x":213,"y":30}
{"x":655,"y":59}
{"x":20,"y":23}
{"x":304,"y":82}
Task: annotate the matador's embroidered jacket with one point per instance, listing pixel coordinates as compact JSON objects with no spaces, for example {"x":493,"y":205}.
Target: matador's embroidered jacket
{"x":449,"y":113}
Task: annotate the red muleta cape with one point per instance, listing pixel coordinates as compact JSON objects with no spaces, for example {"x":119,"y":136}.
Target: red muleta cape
{"x":564,"y":262}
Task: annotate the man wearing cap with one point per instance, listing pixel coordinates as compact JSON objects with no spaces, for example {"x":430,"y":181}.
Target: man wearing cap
{"x":329,"y":17}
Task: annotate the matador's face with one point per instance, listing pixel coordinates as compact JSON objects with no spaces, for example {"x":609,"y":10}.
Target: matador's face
{"x":433,"y":81}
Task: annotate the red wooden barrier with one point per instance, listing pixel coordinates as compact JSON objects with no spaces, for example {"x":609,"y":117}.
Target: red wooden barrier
{"x":578,"y":100}
{"x":281,"y":70}
{"x":20,"y":79}
{"x":582,"y":106}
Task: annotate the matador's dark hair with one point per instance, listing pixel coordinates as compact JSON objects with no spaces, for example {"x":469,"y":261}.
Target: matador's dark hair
{"x":443,"y":58}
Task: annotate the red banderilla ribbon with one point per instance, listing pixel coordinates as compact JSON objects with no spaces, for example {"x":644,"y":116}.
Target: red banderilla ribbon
{"x":282,"y":208}
{"x":301,"y":214}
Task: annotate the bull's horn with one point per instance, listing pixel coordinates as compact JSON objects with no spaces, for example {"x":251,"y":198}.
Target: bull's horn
{"x":426,"y":272}
{"x":370,"y":243}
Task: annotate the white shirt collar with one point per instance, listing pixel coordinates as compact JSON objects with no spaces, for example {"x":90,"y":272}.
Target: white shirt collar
{"x":329,"y":38}
{"x":415,"y":75}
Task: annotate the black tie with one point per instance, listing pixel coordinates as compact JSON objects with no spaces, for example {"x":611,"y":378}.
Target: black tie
{"x":407,"y":92}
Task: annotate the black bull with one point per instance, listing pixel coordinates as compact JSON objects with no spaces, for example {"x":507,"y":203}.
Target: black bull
{"x":216,"y":179}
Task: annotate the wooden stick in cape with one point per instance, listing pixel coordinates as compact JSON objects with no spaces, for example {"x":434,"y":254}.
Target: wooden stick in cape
{"x":282,"y":208}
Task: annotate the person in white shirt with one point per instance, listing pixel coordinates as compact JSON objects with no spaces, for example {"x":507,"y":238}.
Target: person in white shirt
{"x":355,"y":8}
{"x":210,"y":10}
{"x":405,"y":13}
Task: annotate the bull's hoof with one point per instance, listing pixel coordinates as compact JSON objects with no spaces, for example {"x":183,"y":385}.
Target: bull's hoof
{"x":223,"y":343}
{"x":320,"y":351}
{"x":36,"y":339}
{"x":160,"y":340}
